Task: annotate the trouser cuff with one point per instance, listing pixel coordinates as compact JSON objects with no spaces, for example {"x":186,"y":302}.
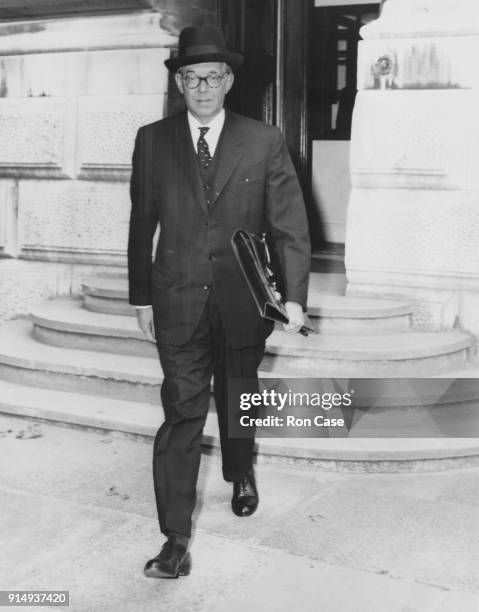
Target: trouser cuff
{"x":235,"y":475}
{"x":178,"y":524}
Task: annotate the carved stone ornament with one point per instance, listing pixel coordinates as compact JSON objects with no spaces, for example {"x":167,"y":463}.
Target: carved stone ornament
{"x":384,"y":70}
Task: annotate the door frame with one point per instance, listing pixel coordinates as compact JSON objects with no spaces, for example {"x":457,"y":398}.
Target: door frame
{"x":292,"y":83}
{"x":292,"y":99}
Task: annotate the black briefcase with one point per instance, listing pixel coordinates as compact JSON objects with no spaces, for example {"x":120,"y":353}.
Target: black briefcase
{"x":253,"y":256}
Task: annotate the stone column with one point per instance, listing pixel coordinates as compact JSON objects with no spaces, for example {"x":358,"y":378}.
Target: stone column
{"x":413,"y":219}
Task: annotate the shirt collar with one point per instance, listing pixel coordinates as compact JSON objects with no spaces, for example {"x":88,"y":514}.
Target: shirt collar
{"x":215,"y":125}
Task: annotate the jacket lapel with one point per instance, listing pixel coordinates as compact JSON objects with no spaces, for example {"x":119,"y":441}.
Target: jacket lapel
{"x":230,"y":153}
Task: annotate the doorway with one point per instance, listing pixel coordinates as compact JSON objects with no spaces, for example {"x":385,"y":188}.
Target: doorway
{"x":300,"y":74}
{"x":250,"y":28}
{"x":334,"y":35}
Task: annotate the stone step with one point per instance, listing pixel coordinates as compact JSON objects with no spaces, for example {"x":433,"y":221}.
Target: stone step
{"x":123,"y":376}
{"x":107,"y":295}
{"x":339,"y":314}
{"x":26,"y":361}
{"x":330,"y":311}
{"x":409,"y":354}
{"x":143,"y":419}
{"x":116,"y":286}
{"x":64,"y":323}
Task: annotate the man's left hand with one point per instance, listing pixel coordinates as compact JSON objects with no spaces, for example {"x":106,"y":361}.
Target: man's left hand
{"x":294,"y":312}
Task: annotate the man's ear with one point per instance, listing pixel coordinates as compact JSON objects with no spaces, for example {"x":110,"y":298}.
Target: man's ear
{"x":230,"y":79}
{"x":179,"y":81}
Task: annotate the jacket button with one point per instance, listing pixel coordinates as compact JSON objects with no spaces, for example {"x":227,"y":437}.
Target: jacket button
{"x":205,"y":287}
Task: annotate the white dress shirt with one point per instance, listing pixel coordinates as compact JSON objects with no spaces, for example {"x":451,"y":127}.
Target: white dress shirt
{"x":212,"y":136}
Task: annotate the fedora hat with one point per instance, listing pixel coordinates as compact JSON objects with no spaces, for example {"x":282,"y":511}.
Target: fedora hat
{"x":203,"y":44}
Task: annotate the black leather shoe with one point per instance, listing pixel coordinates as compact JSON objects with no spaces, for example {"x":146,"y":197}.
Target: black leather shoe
{"x":174,"y":559}
{"x":245,"y":495}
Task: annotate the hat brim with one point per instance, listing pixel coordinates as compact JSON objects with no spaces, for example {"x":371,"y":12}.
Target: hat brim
{"x":234,"y":60}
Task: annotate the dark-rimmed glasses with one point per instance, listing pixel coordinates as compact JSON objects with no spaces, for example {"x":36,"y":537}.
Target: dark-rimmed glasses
{"x":192,"y":80}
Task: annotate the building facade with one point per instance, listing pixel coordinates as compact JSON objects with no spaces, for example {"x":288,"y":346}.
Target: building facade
{"x":399,"y":186}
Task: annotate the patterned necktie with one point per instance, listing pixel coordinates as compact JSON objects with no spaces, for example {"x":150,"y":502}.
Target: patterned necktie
{"x":202,"y":148}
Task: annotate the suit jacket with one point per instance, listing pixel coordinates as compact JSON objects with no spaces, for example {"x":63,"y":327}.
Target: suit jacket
{"x":256,"y":189}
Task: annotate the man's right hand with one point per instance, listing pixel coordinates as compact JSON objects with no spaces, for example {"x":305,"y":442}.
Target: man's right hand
{"x":145,"y":321}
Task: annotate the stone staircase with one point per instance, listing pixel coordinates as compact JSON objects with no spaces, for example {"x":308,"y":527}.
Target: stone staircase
{"x":85,"y":362}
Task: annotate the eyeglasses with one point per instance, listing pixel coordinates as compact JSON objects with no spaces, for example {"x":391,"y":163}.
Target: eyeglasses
{"x":192,"y":80}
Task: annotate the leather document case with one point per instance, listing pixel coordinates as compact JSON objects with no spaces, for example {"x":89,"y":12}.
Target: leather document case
{"x":253,"y":256}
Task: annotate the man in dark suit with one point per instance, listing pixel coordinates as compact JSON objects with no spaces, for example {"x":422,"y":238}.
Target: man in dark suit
{"x":201,"y":175}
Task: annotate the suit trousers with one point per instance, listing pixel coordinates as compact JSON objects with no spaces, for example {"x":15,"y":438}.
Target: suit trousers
{"x":185,"y":395}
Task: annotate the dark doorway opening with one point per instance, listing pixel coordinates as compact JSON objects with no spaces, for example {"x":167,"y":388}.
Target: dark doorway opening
{"x":333,"y":58}
{"x":250,"y":27}
{"x":333,"y":38}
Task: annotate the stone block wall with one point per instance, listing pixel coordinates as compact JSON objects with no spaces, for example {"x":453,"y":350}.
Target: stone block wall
{"x":73,"y":92}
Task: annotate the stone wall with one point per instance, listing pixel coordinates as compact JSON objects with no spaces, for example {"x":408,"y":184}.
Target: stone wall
{"x":73,"y":92}
{"x":413,"y":220}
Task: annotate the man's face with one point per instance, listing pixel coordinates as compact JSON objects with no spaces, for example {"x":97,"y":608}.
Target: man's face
{"x":205,"y":102}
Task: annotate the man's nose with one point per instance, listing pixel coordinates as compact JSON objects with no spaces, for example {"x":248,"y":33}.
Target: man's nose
{"x":203,"y":86}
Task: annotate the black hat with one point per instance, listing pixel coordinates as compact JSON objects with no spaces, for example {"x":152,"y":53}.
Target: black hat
{"x":203,"y":44}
